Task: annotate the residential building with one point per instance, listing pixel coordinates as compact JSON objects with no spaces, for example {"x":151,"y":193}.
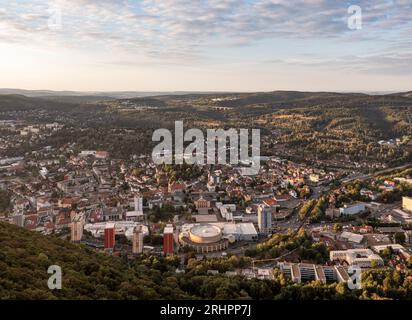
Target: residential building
{"x":109,"y":236}
{"x":137,"y":240}
{"x":76,"y":226}
{"x":264,"y":219}
{"x":168,"y":239}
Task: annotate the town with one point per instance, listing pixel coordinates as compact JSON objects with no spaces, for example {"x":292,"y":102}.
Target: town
{"x":304,"y":221}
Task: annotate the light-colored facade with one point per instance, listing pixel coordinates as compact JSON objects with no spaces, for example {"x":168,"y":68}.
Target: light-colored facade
{"x":353,"y":209}
{"x":76,"y":227}
{"x":210,"y":237}
{"x":407,"y":204}
{"x":264,"y":219}
{"x":138,"y":240}
{"x":363,"y":258}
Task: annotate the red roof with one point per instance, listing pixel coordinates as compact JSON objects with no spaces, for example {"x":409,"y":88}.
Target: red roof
{"x":270,"y":202}
{"x":281,"y":198}
{"x":176,"y":186}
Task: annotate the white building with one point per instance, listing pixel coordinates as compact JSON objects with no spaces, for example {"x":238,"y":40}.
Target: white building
{"x":121,"y":227}
{"x":353,"y":209}
{"x":362,"y":258}
{"x":351,"y":237}
{"x":137,"y":213}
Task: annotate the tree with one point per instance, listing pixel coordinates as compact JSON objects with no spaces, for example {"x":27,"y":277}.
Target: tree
{"x":337,"y":227}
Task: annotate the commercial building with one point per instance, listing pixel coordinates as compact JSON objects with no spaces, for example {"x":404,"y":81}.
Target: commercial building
{"x":264,"y":219}
{"x":168,"y":239}
{"x":109,"y":236}
{"x":407,"y":204}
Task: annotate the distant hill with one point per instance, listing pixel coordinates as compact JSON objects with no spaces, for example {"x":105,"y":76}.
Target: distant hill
{"x":107,"y":94}
{"x":76,"y":99}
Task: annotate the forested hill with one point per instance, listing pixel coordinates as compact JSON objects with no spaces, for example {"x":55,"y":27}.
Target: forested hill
{"x":25,"y":257}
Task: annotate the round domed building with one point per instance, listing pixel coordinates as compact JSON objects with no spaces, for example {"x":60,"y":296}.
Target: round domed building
{"x":204,"y":238}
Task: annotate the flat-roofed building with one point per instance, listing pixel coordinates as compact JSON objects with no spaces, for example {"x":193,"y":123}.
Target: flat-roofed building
{"x":320,"y":274}
{"x":109,"y":236}
{"x":168,"y":239}
{"x":395,"y":247}
{"x":353,"y":209}
{"x":264,"y":219}
{"x":407,"y":204}
{"x":363,"y":258}
{"x":137,"y":240}
{"x":342,"y":274}
{"x":307,"y":271}
{"x":295,"y":273}
{"x":299,"y":272}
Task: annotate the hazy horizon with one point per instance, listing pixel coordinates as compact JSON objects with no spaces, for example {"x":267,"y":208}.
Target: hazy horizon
{"x":69,"y":91}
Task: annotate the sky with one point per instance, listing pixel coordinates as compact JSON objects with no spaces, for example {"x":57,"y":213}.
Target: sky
{"x":206,"y":45}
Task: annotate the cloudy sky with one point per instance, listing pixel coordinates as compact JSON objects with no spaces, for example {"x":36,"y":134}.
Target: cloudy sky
{"x":214,"y":45}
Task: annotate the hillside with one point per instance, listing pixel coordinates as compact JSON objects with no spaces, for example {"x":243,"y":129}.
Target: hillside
{"x":25,"y":257}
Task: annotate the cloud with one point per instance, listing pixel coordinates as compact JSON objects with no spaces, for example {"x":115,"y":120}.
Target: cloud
{"x":187,"y":29}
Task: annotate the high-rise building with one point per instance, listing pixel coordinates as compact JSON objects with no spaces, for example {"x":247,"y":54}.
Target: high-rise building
{"x":137,"y":240}
{"x":76,"y":226}
{"x":168,"y":239}
{"x":109,"y":236}
{"x":264,"y":219}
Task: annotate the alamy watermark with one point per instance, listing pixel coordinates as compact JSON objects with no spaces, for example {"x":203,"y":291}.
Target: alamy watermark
{"x":355,"y":278}
{"x":172,"y":151}
{"x":55,"y":280}
{"x":355,"y":18}
{"x":54,"y":21}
